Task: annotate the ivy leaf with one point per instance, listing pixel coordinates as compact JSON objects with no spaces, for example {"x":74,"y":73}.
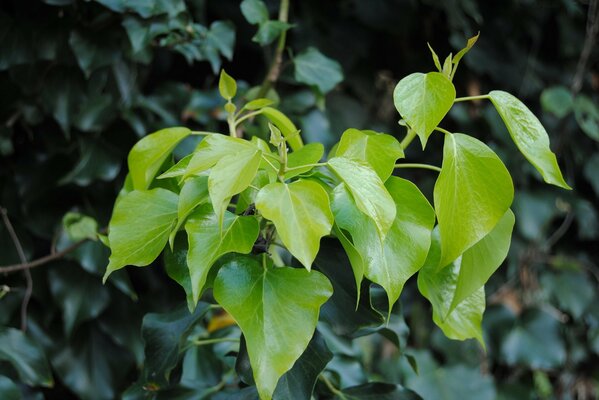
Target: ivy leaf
{"x":285,"y":125}
{"x":472,"y":193}
{"x":269,"y":31}
{"x":301,"y":213}
{"x":439,"y":287}
{"x":227,"y":86}
{"x":529,"y":135}
{"x":178,"y":169}
{"x":230,"y":176}
{"x":587,"y":116}
{"x":276,"y":309}
{"x":149,"y":153}
{"x":254,"y":11}
{"x":193,"y":193}
{"x":376,"y":391}
{"x":175,"y":264}
{"x":8,"y":389}
{"x":208,"y":242}
{"x":557,"y":100}
{"x":368,"y":191}
{"x":379,"y":150}
{"x":308,"y":154}
{"x":79,"y":226}
{"x":423,"y":100}
{"x":315,"y":69}
{"x":139,"y":228}
{"x":392,"y":261}
{"x":212,"y":149}
{"x":257,"y":104}
{"x":26,"y":357}
{"x":480,"y":261}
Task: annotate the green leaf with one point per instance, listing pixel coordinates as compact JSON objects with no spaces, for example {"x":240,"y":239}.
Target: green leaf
{"x":447,"y":66}
{"x":149,"y":153}
{"x":315,"y":69}
{"x":231,"y":175}
{"x":368,"y":191}
{"x":193,"y":193}
{"x":175,"y":264}
{"x":308,"y":154}
{"x":435,"y":58}
{"x":71,"y":289}
{"x":285,"y":125}
{"x":423,"y":100}
{"x":269,"y":31}
{"x":480,"y":261}
{"x":439,"y":287}
{"x":276,"y":309}
{"x":392,"y":261}
{"x":376,"y":391}
{"x":8,"y":389}
{"x":472,"y":193}
{"x":456,"y":382}
{"x":139,"y":228}
{"x":178,"y":169}
{"x":164,"y":336}
{"x":469,"y":44}
{"x":587,"y":116}
{"x":212,"y":149}
{"x":557,"y":100}
{"x":79,"y":226}
{"x":257,"y":104}
{"x":529,"y":135}
{"x":379,"y":150}
{"x":254,"y":11}
{"x":26,"y":357}
{"x":301,"y":213}
{"x":208,"y":242}
{"x":227,"y":86}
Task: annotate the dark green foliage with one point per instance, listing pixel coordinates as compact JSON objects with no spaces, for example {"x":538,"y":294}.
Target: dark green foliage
{"x":82,"y":81}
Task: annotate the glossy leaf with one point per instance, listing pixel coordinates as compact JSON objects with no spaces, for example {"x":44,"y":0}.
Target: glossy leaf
{"x":392,"y":261}
{"x":308,"y":154}
{"x":193,"y":193}
{"x":423,"y":100}
{"x":439,"y":287}
{"x":379,"y":150}
{"x":139,"y":228}
{"x":285,"y":125}
{"x":472,"y":193}
{"x":529,"y":135}
{"x":213,"y":148}
{"x":146,"y":157}
{"x":276,"y":309}
{"x":227,"y":86}
{"x":368,"y":191}
{"x":315,"y":69}
{"x":26,"y":357}
{"x":175,"y":264}
{"x":301,"y":213}
{"x":208,"y":242}
{"x":178,"y":169}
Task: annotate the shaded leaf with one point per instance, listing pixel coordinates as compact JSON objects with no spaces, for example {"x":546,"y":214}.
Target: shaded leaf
{"x":315,"y":69}
{"x":26,"y":357}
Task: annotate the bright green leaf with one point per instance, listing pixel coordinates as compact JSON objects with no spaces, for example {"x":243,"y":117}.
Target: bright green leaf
{"x":315,"y":69}
{"x":140,"y":226}
{"x":276,"y":309}
{"x":208,"y":242}
{"x":254,"y":11}
{"x":423,"y":100}
{"x":469,"y":44}
{"x":178,"y":169}
{"x":149,"y":153}
{"x":392,"y":261}
{"x":529,"y":135}
{"x":258,"y":104}
{"x":193,"y":193}
{"x":435,"y":58}
{"x":227,"y":86}
{"x":212,"y":149}
{"x":308,"y":154}
{"x":472,"y":193}
{"x":379,"y":150}
{"x":301,"y":214}
{"x":368,"y":191}
{"x":285,"y":125}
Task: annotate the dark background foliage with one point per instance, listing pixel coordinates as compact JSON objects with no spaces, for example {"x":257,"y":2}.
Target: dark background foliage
{"x":81,"y":81}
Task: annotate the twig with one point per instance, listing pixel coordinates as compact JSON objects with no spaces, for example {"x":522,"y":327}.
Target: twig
{"x":42,"y":260}
{"x":592,"y":29}
{"x":561,"y":230}
{"x":27,"y":273}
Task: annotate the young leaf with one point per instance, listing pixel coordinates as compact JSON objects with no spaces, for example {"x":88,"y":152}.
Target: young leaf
{"x":212,"y":149}
{"x":439,"y":287}
{"x":139,"y":228}
{"x":276,"y":309}
{"x":379,"y":150}
{"x":480,"y":261}
{"x":146,"y":157}
{"x":368,"y":191}
{"x":447,"y":67}
{"x":178,"y":169}
{"x":301,"y":214}
{"x":287,"y":128}
{"x":423,"y":100}
{"x":472,"y":193}
{"x":208,"y":242}
{"x":315,"y":69}
{"x":456,"y":60}
{"x":309,"y":154}
{"x":529,"y":135}
{"x":389,"y":262}
{"x":227,"y":86}
{"x":435,"y":58}
{"x":258,"y":104}
{"x":254,"y":11}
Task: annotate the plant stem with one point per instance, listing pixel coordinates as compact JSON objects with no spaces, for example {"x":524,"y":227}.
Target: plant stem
{"x":471,"y":98}
{"x":331,"y":387}
{"x":275,"y":67}
{"x":269,"y":163}
{"x":203,"y":133}
{"x":443,"y":130}
{"x":304,"y":166}
{"x":213,"y":341}
{"x":410,"y":135}
{"x":247,"y":116}
{"x":422,"y":166}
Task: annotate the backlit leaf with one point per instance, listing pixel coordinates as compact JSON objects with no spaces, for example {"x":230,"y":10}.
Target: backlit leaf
{"x":308,"y":154}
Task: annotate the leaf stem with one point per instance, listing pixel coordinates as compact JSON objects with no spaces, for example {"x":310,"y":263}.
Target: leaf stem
{"x":247,"y":116}
{"x":421,"y":166}
{"x":331,"y":387}
{"x":471,"y":98}
{"x":204,"y":342}
{"x":269,"y":163}
{"x":203,"y":133}
{"x":306,"y":165}
{"x":410,"y":135}
{"x":445,"y":131}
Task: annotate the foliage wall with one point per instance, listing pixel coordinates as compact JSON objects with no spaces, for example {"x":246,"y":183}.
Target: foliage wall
{"x":82,"y":81}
